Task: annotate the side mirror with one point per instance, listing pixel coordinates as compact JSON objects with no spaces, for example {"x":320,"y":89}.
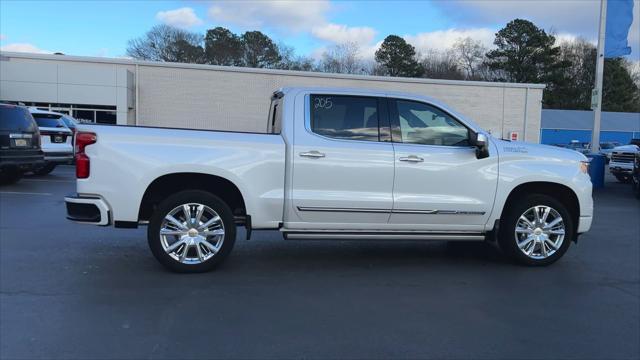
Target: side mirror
{"x":482,"y":146}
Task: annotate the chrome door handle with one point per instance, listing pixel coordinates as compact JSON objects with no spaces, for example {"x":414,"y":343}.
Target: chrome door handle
{"x":412,"y":158}
{"x":312,"y":154}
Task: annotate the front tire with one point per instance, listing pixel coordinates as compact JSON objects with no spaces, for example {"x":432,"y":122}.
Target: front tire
{"x":191,"y":231}
{"x":635,"y":184}
{"x":536,"y":230}
{"x":622,"y":178}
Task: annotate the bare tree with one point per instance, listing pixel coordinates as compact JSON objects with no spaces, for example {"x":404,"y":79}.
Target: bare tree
{"x":469,"y":55}
{"x":342,"y":59}
{"x":440,"y":65}
{"x":166,"y":43}
{"x":634,"y":71}
{"x":290,"y":61}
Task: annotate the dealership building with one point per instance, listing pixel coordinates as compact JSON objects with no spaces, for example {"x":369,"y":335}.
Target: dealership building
{"x":132,"y":92}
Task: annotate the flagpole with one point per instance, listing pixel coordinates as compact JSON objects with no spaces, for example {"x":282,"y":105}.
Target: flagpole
{"x":596,"y":99}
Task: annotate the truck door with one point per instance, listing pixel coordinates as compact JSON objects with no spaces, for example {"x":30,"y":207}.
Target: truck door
{"x":439,"y":182}
{"x":342,"y":176}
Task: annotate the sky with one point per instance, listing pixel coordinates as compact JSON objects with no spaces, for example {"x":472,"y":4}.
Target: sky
{"x":102,"y":28}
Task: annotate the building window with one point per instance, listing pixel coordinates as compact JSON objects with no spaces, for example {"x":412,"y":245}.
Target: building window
{"x":106,"y":117}
{"x":84,"y":115}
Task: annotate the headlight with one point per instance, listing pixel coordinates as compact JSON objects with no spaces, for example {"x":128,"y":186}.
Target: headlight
{"x":584,"y":167}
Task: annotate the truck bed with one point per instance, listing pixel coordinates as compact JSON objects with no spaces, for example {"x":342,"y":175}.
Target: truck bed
{"x":131,"y":158}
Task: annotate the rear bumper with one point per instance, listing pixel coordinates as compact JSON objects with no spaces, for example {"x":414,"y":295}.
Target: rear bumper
{"x":58,"y":157}
{"x":25,"y":162}
{"x":87,"y":210}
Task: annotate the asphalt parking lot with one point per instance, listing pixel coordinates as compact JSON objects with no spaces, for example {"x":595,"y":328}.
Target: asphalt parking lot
{"x":78,"y":291}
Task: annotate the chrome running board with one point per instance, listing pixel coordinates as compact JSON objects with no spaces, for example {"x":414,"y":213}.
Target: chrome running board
{"x":381,"y":235}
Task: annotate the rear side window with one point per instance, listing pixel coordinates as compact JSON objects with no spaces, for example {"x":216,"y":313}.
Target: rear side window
{"x":345,"y":117}
{"x":14,"y":118}
{"x":48,"y":120}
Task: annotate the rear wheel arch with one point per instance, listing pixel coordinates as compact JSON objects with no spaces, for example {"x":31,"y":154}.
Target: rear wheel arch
{"x":562,"y":193}
{"x":169,"y":184}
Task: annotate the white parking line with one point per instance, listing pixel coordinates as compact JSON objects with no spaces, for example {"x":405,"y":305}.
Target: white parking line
{"x":24,"y":193}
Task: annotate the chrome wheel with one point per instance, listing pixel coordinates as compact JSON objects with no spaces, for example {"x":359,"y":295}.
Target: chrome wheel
{"x":540,"y":232}
{"x":192,"y":233}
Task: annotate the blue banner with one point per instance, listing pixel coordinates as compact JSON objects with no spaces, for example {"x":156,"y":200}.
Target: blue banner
{"x":619,"y":19}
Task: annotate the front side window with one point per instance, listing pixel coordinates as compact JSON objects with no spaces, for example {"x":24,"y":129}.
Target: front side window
{"x":345,"y":117}
{"x":420,"y":123}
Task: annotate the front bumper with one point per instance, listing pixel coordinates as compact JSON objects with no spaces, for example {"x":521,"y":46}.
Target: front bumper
{"x":87,"y":210}
{"x":620,"y":168}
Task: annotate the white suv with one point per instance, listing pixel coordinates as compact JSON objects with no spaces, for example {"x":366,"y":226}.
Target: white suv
{"x":57,"y":140}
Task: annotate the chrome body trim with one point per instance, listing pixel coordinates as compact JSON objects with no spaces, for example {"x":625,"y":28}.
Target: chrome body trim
{"x":394,"y":211}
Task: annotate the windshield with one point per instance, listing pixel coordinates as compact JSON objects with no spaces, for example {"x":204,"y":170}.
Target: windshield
{"x":608,"y":145}
{"x":48,"y":120}
{"x":14,"y":118}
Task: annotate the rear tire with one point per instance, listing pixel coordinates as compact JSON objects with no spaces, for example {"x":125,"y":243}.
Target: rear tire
{"x":191,"y":231}
{"x":10,"y":176}
{"x":539,"y":240}
{"x":44,"y":169}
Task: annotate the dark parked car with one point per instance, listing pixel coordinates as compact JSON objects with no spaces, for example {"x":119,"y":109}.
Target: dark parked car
{"x":635,"y":177}
{"x":19,"y":143}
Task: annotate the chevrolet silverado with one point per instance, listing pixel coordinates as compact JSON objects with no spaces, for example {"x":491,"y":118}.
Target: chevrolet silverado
{"x":332,"y":164}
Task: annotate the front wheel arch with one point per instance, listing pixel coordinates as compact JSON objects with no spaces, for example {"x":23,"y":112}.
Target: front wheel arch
{"x":560,"y":192}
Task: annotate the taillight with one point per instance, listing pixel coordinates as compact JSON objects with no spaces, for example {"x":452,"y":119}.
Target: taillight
{"x":83,"y":139}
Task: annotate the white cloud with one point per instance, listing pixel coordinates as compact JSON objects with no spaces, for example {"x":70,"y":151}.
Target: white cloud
{"x":2,"y":37}
{"x":282,"y":16}
{"x":439,"y":40}
{"x":340,"y":34}
{"x":183,"y":17}
{"x":573,"y":16}
{"x":442,"y":40}
{"x":102,"y":52}
{"x":24,"y":47}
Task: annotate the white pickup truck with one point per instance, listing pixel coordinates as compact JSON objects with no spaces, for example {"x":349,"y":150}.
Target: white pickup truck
{"x":622,"y":159}
{"x":332,"y":164}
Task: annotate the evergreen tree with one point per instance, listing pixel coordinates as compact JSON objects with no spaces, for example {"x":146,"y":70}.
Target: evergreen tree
{"x":222,"y":47}
{"x":397,"y":57}
{"x":259,"y":50}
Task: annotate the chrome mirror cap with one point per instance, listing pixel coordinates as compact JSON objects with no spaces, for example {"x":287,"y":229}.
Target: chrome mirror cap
{"x":481,"y":139}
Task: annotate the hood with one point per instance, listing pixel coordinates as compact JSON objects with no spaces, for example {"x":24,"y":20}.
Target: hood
{"x":626,"y":148}
{"x":523,"y":149}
